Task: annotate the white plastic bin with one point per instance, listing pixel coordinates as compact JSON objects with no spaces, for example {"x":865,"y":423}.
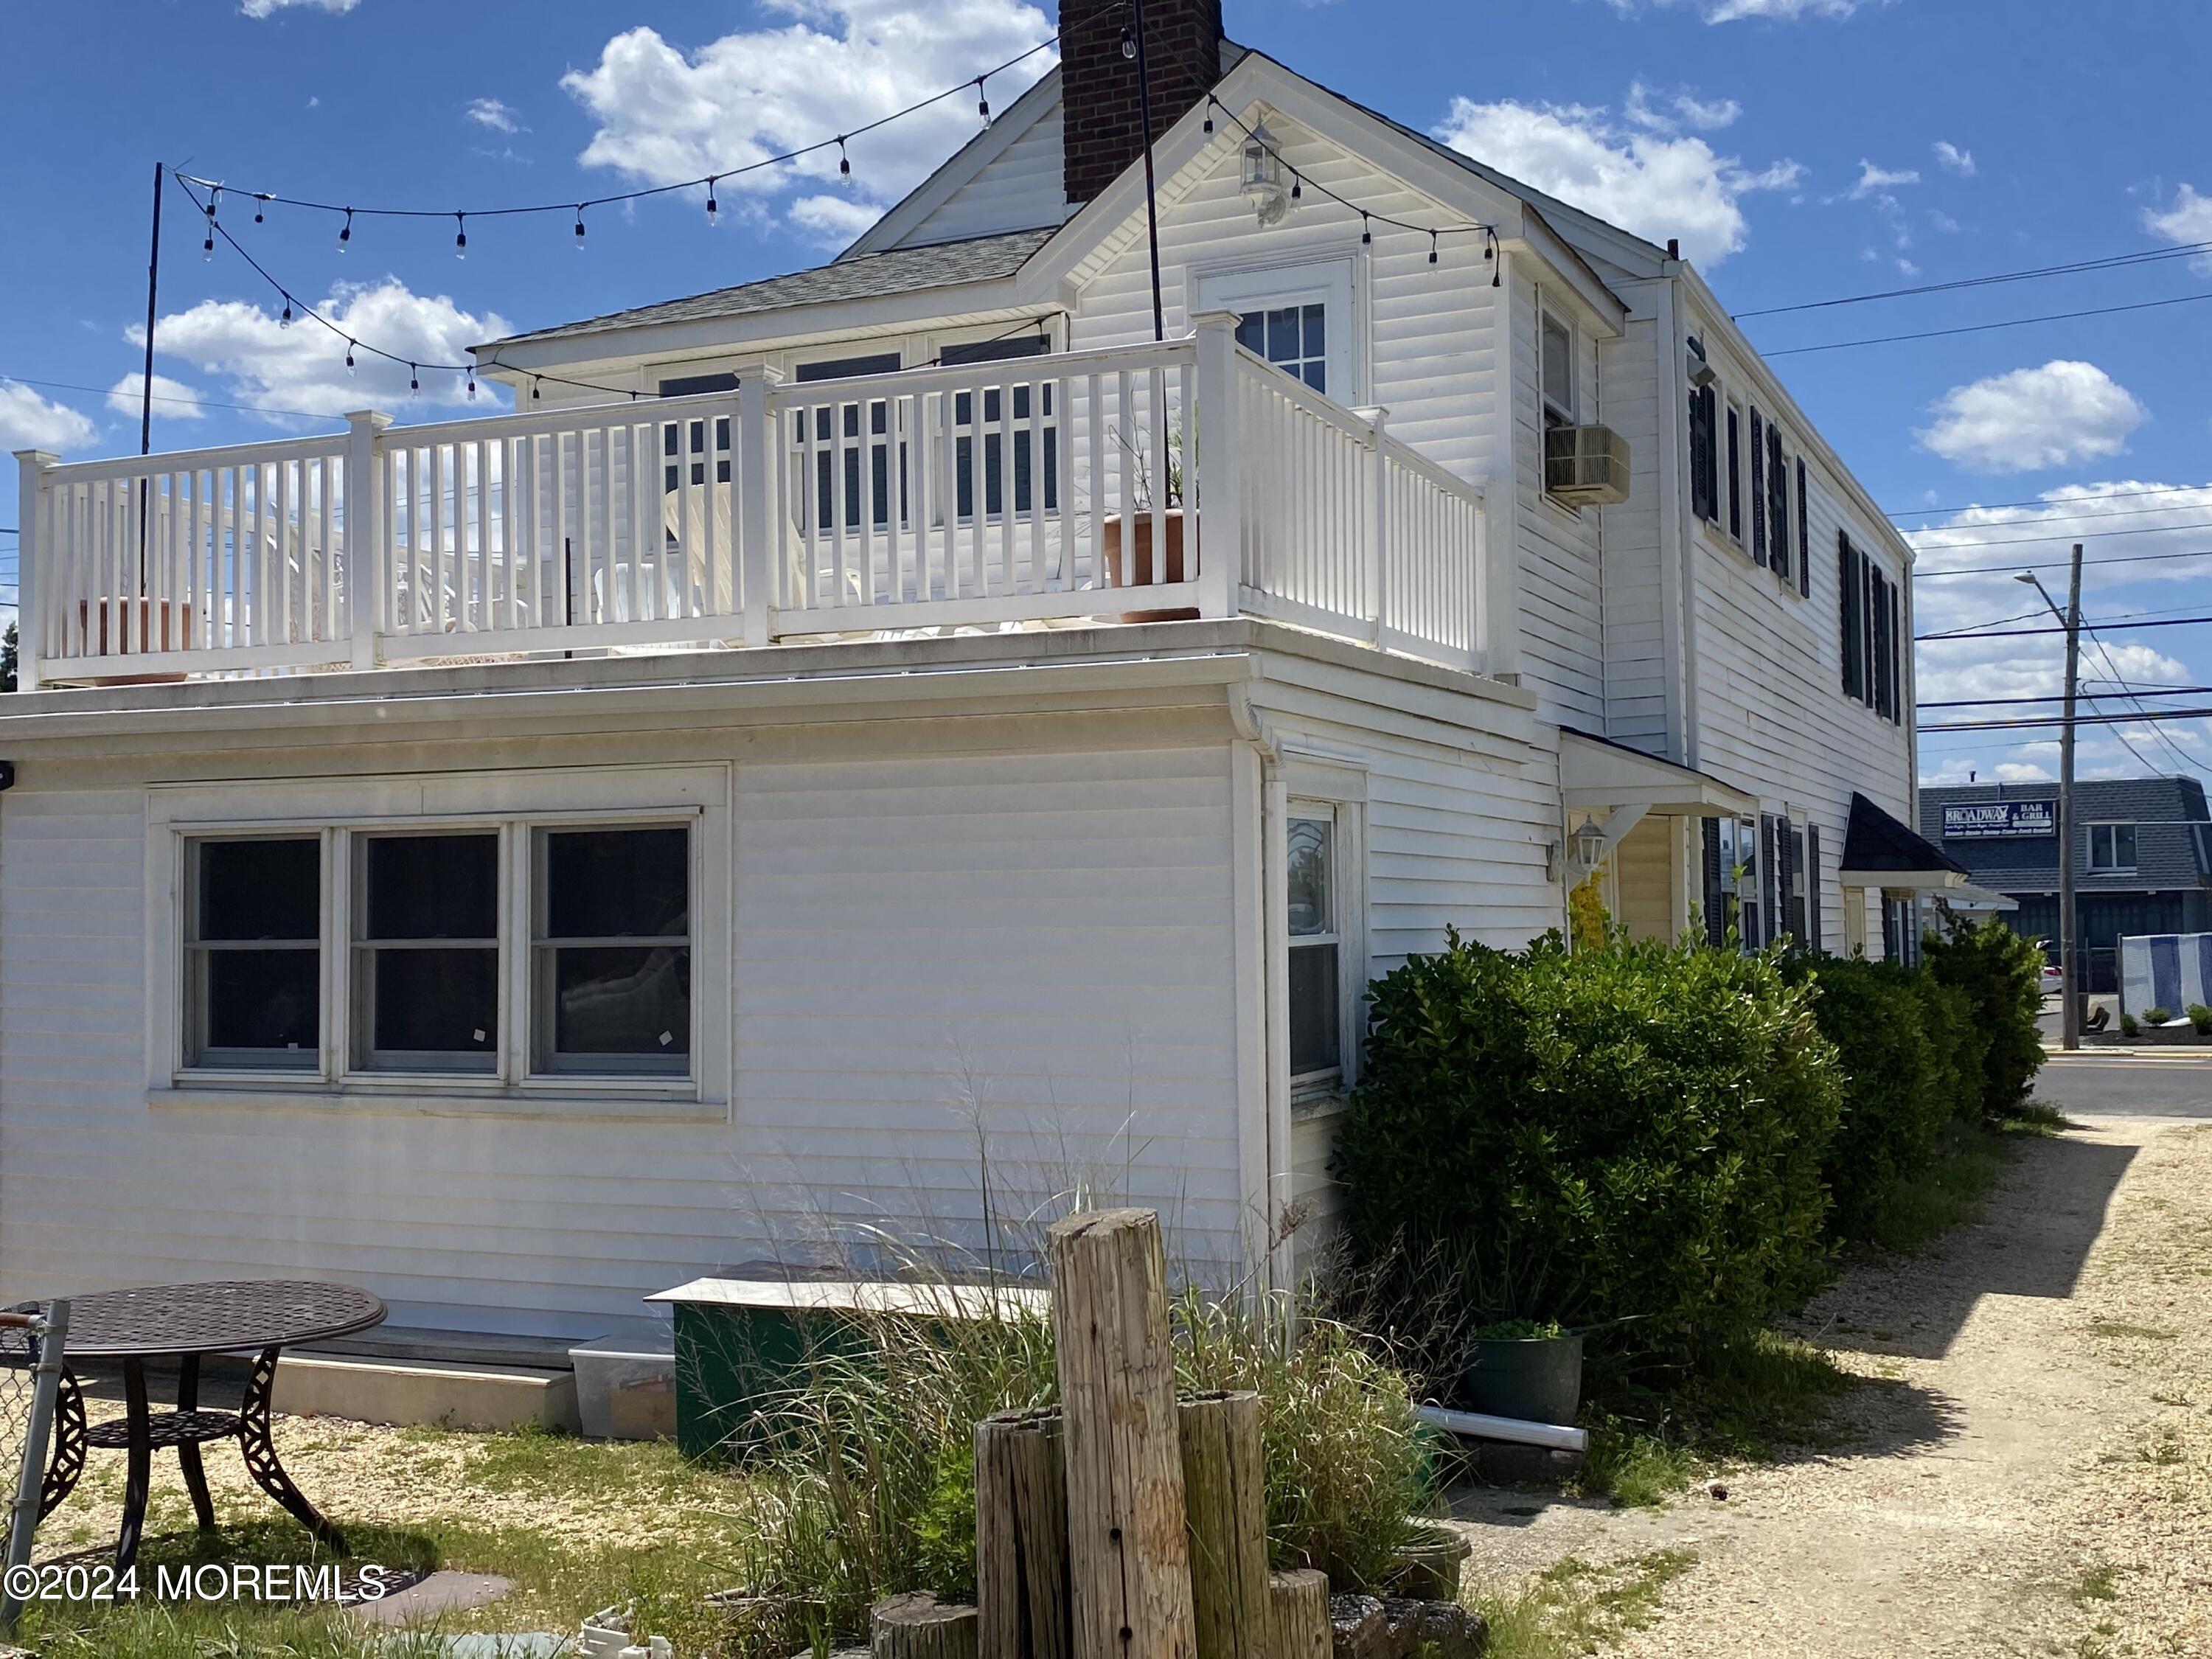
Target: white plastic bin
{"x":626,"y":1387}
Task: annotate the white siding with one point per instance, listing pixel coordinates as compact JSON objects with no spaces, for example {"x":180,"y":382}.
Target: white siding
{"x":1046,"y":933}
{"x":1636,"y":669}
{"x":1562,"y":604}
{"x":1021,"y":189}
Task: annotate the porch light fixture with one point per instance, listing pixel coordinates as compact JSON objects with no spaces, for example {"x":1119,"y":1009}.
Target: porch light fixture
{"x":1263,"y":177}
{"x":1589,"y":844}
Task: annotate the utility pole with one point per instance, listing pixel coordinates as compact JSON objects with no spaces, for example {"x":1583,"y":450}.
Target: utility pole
{"x":2070,"y":950}
{"x":2070,"y":965}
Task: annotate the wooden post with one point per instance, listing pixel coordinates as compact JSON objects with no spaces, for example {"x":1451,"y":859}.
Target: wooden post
{"x":367,"y":578}
{"x":1021,"y":1537}
{"x":35,"y":551}
{"x":1131,"y":1560}
{"x":918,"y":1626}
{"x":1297,"y":1614}
{"x":1225,"y":1482}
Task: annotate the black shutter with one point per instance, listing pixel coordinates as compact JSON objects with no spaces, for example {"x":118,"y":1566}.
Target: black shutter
{"x":1770,"y":882}
{"x":1705,"y":460}
{"x":1778,"y":504}
{"x":1716,"y":906}
{"x":1847,"y":604}
{"x":1757,"y":489}
{"x":1896,"y":659}
{"x":1814,"y":918}
{"x":1804,"y":535}
{"x":1736,"y":476}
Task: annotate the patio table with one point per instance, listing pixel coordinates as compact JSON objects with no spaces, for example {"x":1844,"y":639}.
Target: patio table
{"x":187,"y":1323}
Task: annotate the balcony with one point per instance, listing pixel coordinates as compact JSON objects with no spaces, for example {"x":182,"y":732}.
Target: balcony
{"x":1192,"y":475}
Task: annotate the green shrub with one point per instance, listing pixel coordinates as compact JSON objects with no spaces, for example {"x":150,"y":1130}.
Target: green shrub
{"x":2130,"y":1026}
{"x":2157,"y":1016}
{"x":2200,"y":1018}
{"x":1897,"y":1083}
{"x":1632,"y":1133}
{"x":2001,"y":974}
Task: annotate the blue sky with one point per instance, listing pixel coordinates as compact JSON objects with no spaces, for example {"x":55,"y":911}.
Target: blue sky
{"x":1803,"y":150}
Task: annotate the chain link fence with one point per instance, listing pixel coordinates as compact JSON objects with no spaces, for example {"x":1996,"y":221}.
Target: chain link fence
{"x":31,"y":1342}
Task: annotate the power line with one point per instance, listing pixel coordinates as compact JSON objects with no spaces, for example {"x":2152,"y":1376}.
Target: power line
{"x":159,"y":398}
{"x":1983,"y":328}
{"x":2058,"y":696}
{"x":2025,"y":723}
{"x":2005,"y":570}
{"x":269,"y":198}
{"x":2056,"y":536}
{"x":2110,"y":262}
{"x":2045,"y":501}
{"x":2024,"y":633}
{"x":2063,"y":512}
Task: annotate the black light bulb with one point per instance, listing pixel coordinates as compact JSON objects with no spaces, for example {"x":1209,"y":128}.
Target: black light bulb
{"x":413,"y":383}
{"x":844,"y":161}
{"x":1297,"y":188}
{"x":580,"y":227}
{"x":1432,"y":247}
{"x":285,"y":320}
{"x":533,"y":391}
{"x":472,"y":384}
{"x":207,"y":247}
{"x":1209,"y":112}
{"x":345,"y":231}
{"x":260,"y":202}
{"x":460,"y":236}
{"x":982,"y":102}
{"x":348,"y":357}
{"x":713,"y":207}
{"x":1366,"y":235}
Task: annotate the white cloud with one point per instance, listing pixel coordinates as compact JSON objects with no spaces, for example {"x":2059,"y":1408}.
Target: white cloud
{"x":271,"y":8}
{"x":833,"y":220}
{"x":1873,"y":179}
{"x":2188,"y":221}
{"x":665,"y":115}
{"x":1683,"y":109}
{"x":1952,"y":158}
{"x":173,"y":399}
{"x":1653,"y":182}
{"x":2033,"y":418}
{"x":490,"y":113}
{"x":303,"y":367}
{"x":29,"y":421}
{"x":1732,"y":11}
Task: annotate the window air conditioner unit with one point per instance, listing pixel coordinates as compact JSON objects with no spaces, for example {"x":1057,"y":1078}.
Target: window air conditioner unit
{"x":1586,"y":465}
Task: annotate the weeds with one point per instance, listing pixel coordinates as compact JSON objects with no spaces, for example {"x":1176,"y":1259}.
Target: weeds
{"x":1574,"y":1608}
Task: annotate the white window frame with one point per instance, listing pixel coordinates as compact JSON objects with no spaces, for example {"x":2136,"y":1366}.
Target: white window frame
{"x":515,"y":804}
{"x":2115,"y":868}
{"x":1304,"y":279}
{"x":1568,"y":414}
{"x":1335,"y":792}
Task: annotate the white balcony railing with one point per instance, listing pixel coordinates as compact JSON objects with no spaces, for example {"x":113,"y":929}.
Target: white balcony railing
{"x":1016,"y":491}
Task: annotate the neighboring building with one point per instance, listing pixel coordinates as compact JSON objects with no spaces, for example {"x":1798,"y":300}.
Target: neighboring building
{"x":717,"y":803}
{"x":2141,"y":858}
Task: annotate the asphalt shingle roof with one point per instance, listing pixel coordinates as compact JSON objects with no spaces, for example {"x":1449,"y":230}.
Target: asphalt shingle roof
{"x":1874,"y":841}
{"x":2167,"y":813}
{"x":896,"y":271}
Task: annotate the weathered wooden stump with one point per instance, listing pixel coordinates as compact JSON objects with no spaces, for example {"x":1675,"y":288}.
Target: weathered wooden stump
{"x":1130,"y":1585}
{"x":919,"y":1626}
{"x":1297,"y":1614}
{"x":1224,"y":1483}
{"x":1022,"y":1577}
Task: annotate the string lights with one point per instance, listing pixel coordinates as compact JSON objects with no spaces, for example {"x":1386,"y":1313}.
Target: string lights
{"x":460,"y":236}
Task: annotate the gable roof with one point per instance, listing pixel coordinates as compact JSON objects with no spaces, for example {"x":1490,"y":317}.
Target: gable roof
{"x":896,"y":271}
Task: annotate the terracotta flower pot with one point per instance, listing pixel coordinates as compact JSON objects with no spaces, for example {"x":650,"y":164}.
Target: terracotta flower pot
{"x":162,"y":627}
{"x":1140,"y":567}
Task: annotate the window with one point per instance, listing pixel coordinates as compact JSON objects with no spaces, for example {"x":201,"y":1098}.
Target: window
{"x":1778,"y":504}
{"x":253,"y":953}
{"x":1758,"y":488}
{"x":1316,"y":1018}
{"x":1735,"y":472}
{"x":2113,"y":847}
{"x":994,"y":351}
{"x":1295,"y":338}
{"x":1750,"y":875}
{"x":1797,"y":885}
{"x":1704,"y":454}
{"x":426,"y":954}
{"x":1804,"y":535}
{"x":1873,"y":664}
{"x":1557,"y":350}
{"x":846,"y":369}
{"x":611,"y":943}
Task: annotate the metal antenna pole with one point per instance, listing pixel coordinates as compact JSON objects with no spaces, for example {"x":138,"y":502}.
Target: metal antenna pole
{"x":1151,"y":198}
{"x":2069,"y":963}
{"x":146,"y":391}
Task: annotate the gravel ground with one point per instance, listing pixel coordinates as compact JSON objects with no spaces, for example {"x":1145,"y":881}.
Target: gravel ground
{"x":2029,"y":1467}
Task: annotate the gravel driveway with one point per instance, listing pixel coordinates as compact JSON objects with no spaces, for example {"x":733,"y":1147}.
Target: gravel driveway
{"x":2030,"y":1466}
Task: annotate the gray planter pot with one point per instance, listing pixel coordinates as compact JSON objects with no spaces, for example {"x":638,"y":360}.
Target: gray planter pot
{"x":1537,"y":1379}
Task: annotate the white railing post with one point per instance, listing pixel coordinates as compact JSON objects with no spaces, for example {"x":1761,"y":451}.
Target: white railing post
{"x":1213,"y":430}
{"x":758,"y":544}
{"x":1374,"y":555}
{"x":33,"y":522}
{"x":366,"y":576}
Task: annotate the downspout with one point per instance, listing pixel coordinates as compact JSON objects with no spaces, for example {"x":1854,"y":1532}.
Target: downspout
{"x":1253,"y":727}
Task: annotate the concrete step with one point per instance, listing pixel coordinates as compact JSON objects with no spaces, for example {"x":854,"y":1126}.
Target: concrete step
{"x":440,"y":1393}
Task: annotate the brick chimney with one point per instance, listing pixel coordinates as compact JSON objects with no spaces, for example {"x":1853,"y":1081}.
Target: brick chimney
{"x":1104,"y":131}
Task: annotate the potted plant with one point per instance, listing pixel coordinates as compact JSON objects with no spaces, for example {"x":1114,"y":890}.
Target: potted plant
{"x":1528,"y":1369}
{"x":1126,"y":543}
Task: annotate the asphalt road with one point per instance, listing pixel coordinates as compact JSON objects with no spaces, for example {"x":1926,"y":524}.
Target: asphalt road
{"x":2149,"y":1086}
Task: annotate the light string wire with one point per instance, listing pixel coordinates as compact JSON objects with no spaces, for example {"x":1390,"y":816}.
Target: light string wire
{"x":268,"y":198}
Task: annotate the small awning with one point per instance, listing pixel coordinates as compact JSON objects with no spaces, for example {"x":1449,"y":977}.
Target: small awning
{"x":1596,"y":772}
{"x":1971,"y":897}
{"x":1881,"y":851}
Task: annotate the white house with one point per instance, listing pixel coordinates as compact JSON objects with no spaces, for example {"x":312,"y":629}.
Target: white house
{"x":519,"y":864}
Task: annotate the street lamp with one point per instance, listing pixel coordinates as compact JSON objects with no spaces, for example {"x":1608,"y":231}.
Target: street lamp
{"x":2069,"y":1013}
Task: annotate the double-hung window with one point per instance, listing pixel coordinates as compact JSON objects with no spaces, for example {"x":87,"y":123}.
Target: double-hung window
{"x":1556,"y":350}
{"x":541,"y":946}
{"x":1317,"y":942}
{"x":1294,"y":337}
{"x":1736,"y":471}
{"x":2113,"y":847}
